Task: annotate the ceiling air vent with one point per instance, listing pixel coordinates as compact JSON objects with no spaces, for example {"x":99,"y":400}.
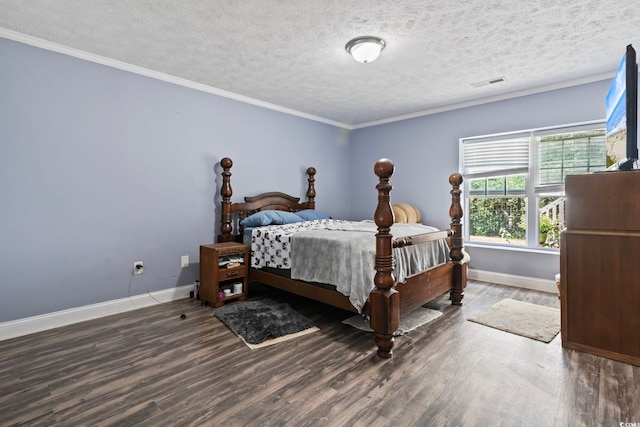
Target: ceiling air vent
{"x":488,"y":82}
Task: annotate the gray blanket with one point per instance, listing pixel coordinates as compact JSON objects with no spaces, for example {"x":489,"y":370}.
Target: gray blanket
{"x":344,"y":256}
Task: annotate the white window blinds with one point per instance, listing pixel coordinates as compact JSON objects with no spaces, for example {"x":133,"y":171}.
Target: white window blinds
{"x":505,"y":156}
{"x":570,"y":153}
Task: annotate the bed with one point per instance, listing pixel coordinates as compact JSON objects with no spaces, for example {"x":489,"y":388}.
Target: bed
{"x":389,"y":299}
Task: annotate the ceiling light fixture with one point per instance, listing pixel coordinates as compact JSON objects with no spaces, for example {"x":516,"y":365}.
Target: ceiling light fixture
{"x":365,"y":49}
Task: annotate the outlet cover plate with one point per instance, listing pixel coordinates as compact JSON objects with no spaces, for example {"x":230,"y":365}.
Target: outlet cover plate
{"x":138,"y":268}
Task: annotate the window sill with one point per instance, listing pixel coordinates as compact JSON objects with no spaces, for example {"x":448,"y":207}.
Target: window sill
{"x":545,"y":251}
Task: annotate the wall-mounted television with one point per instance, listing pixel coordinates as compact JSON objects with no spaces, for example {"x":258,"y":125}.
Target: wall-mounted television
{"x":622,"y":115}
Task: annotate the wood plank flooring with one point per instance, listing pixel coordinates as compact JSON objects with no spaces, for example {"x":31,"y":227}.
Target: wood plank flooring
{"x":150,"y":367}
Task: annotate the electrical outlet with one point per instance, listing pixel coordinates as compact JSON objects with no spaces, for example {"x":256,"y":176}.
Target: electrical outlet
{"x":184,"y":260}
{"x":137,"y":267}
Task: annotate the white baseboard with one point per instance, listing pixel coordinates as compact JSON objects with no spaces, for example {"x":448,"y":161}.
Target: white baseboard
{"x":30,"y":325}
{"x":512,"y":280}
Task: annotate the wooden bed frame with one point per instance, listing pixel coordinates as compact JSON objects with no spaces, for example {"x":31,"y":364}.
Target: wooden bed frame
{"x":389,"y":300}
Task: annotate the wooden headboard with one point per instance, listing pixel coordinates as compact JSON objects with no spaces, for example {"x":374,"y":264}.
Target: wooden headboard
{"x":233,"y":213}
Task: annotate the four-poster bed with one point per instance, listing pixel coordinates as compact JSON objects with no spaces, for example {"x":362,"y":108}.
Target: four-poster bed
{"x":389,"y":299}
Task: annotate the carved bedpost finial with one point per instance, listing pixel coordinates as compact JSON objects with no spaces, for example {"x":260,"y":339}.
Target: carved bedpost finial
{"x":226,"y":192}
{"x":456,"y":254}
{"x":311,"y":189}
{"x":384,"y":168}
{"x":384,"y":300}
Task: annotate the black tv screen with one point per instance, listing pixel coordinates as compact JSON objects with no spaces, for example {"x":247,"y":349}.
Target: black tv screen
{"x":622,"y":116}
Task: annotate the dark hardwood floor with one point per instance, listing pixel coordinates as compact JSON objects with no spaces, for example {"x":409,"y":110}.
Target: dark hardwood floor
{"x":150,"y":367}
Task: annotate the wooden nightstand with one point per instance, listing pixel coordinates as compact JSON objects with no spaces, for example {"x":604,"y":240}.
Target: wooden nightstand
{"x":224,"y":268}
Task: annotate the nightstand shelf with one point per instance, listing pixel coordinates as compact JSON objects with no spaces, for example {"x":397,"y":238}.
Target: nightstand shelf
{"x":223,"y":272}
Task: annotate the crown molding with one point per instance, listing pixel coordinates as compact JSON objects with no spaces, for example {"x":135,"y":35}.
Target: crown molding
{"x":124,"y":66}
{"x":76,"y":53}
{"x":488,"y":100}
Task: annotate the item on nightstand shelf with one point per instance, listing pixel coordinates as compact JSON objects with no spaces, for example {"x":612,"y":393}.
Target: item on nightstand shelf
{"x":231,"y":261}
{"x":237,"y":288}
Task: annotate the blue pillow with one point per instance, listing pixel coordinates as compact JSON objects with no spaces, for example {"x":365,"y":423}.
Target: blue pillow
{"x":270,"y":217}
{"x":312,"y":214}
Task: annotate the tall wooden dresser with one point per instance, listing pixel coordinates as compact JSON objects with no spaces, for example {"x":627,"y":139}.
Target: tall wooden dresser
{"x":600,"y":265}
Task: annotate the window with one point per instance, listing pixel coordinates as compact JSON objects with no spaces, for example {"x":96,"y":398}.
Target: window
{"x":573,"y":153}
{"x":497,"y":209}
{"x":514,"y":183}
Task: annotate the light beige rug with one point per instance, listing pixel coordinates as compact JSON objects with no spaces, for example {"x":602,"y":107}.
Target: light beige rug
{"x":521,"y":318}
{"x":418,"y":317}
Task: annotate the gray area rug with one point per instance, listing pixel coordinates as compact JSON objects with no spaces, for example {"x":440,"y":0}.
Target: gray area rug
{"x":521,"y":318}
{"x":418,"y":317}
{"x":261,"y":321}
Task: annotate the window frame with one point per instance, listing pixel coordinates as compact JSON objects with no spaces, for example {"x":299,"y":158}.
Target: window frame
{"x":533,"y":191}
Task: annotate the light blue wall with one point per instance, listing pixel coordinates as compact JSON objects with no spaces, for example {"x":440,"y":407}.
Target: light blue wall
{"x":425,"y":152}
{"x":100,"y":168}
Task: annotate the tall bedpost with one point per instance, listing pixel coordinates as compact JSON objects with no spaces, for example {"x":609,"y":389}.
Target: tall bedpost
{"x":456,"y":254}
{"x":226,"y":192}
{"x":384,"y":300}
{"x":311,"y":189}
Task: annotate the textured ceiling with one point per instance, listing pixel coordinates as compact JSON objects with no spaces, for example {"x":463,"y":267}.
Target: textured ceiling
{"x":290,"y":53}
